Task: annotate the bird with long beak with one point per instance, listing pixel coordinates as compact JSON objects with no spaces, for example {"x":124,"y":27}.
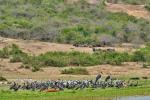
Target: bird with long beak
{"x":98,"y":77}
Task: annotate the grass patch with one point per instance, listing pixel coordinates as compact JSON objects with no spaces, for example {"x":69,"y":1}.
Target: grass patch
{"x":87,"y":94}
{"x":75,"y":71}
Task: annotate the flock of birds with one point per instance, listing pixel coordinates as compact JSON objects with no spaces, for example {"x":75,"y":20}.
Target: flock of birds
{"x":60,"y":85}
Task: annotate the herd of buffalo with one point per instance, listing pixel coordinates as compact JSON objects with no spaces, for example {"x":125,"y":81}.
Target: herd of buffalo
{"x":60,"y":85}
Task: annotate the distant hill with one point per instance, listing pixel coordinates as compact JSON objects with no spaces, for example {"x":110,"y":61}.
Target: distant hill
{"x":78,"y":22}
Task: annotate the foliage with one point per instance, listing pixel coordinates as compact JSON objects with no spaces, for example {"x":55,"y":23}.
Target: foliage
{"x":60,"y":21}
{"x":35,"y":69}
{"x":62,"y":59}
{"x":14,"y":51}
{"x":139,"y":56}
{"x":4,"y":53}
{"x":144,"y":52}
{"x":2,"y":78}
{"x":147,"y":6}
{"x":135,"y":2}
{"x":75,"y":71}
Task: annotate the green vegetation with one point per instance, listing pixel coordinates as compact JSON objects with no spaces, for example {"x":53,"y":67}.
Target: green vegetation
{"x":89,"y":94}
{"x":62,"y":59}
{"x":135,"y":2}
{"x":13,"y":52}
{"x":147,"y":6}
{"x":143,"y":55}
{"x":2,"y":78}
{"x":78,"y":23}
{"x":85,"y":94}
{"x":75,"y":71}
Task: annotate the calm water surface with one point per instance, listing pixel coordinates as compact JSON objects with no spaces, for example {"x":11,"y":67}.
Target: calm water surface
{"x":134,"y":98}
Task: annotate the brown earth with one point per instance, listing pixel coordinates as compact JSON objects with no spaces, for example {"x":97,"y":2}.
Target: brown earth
{"x":37,"y":47}
{"x":138,"y":11}
{"x":13,"y":70}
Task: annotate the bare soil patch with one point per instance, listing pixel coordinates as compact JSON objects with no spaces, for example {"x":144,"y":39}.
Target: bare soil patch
{"x":138,"y":11}
{"x":38,"y":47}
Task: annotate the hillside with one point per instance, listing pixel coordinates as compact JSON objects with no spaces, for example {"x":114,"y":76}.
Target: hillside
{"x":139,"y":11}
{"x":85,"y":49}
{"x":71,"y":22}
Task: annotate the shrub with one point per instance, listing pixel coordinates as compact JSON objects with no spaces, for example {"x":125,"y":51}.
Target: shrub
{"x":16,"y":58}
{"x":142,"y":54}
{"x":145,"y":65}
{"x":2,"y":78}
{"x":54,"y":20}
{"x":35,"y":69}
{"x":15,"y":49}
{"x":4,"y":53}
{"x":26,"y":66}
{"x":15,"y":54}
{"x":147,"y":6}
{"x":75,"y":71}
{"x":62,"y":59}
{"x":148,"y":44}
{"x":135,"y":2}
{"x":56,"y":62}
{"x":139,"y":56}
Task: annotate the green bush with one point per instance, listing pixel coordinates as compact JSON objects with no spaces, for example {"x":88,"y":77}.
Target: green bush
{"x":4,"y":53}
{"x":75,"y":71}
{"x":135,"y":2}
{"x":16,"y":58}
{"x":13,"y":52}
{"x":35,"y":69}
{"x":26,"y":66}
{"x":2,"y":78}
{"x":62,"y":59}
{"x":139,"y":56}
{"x":79,"y":23}
{"x":147,"y":6}
{"x":142,"y":54}
{"x":148,"y":44}
{"x":145,"y":66}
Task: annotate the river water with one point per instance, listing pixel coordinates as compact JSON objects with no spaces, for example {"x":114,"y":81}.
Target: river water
{"x":134,"y":98}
